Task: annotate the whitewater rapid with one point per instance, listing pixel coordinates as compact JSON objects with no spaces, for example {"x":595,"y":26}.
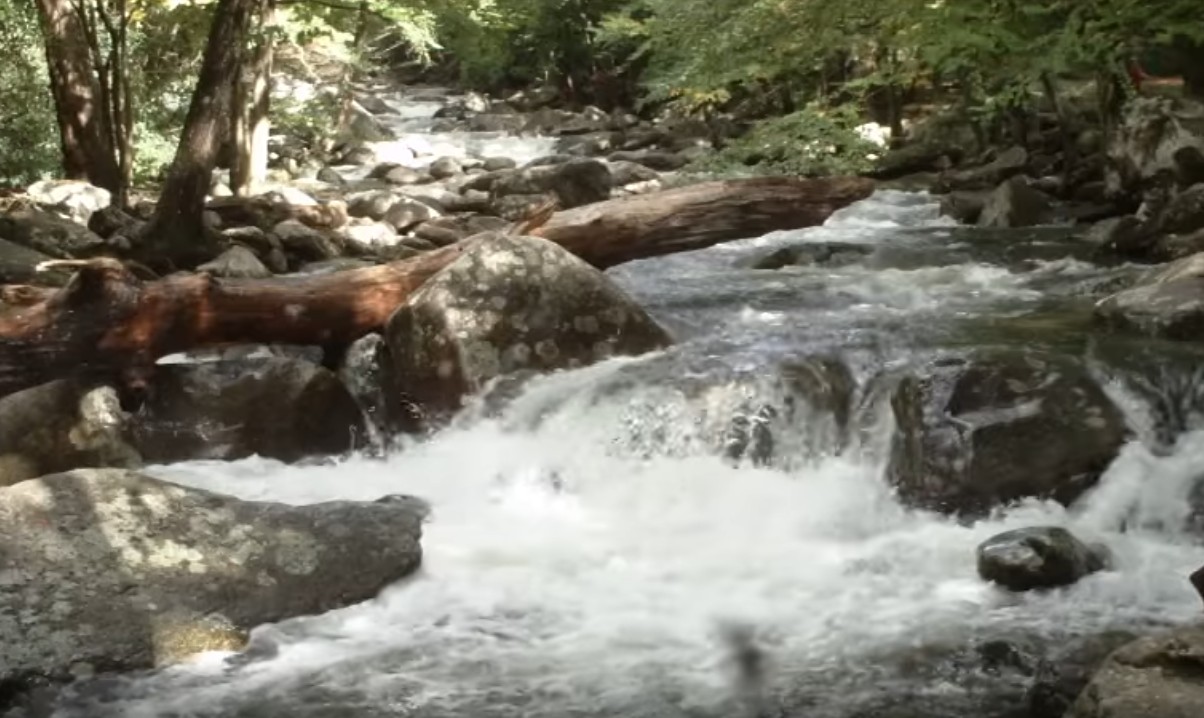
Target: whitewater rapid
{"x":588,"y":553}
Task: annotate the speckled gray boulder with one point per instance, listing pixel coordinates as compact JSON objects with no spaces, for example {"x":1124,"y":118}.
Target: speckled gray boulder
{"x":113,"y":570}
{"x":509,"y":304}
{"x":986,"y":429}
{"x":1159,"y":676}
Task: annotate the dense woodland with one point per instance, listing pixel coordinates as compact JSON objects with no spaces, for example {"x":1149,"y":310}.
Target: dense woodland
{"x":130,"y":80}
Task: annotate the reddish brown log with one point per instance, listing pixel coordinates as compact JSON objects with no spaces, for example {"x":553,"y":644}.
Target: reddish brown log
{"x":108,"y":322}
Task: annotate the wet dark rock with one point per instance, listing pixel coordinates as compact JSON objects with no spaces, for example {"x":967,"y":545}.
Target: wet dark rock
{"x":965,"y":206}
{"x":509,"y":304}
{"x":110,"y":220}
{"x":267,"y":247}
{"x":493,"y":164}
{"x":623,"y":172}
{"x":1066,"y":669}
{"x":973,"y":432}
{"x":51,"y":235}
{"x":18,"y":264}
{"x":1015,"y":204}
{"x":1185,"y":212}
{"x":1011,"y":162}
{"x":1038,"y":557}
{"x":574,"y":183}
{"x":366,"y":372}
{"x":1159,"y":676}
{"x":62,"y":425}
{"x":280,"y":408}
{"x":236,"y":262}
{"x":1167,"y":302}
{"x":110,"y":570}
{"x":1124,"y":238}
{"x":660,"y":161}
{"x":828,"y":254}
{"x":304,"y":242}
{"x":330,"y":176}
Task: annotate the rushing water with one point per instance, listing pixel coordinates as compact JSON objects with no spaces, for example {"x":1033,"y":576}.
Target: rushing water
{"x":589,"y":553}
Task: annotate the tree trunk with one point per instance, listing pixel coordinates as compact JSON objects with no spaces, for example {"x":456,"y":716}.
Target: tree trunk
{"x":252,"y":103}
{"x":107,"y":323}
{"x":1066,"y":125}
{"x":88,"y":152}
{"x":176,"y":234}
{"x":357,"y":47}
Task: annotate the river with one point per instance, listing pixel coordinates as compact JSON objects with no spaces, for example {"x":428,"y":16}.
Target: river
{"x":591,"y":553}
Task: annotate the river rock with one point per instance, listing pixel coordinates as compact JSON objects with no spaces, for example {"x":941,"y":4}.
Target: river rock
{"x":652,"y":159}
{"x":1015,"y":204}
{"x":623,"y":172}
{"x":237,"y":261}
{"x":828,"y":254}
{"x":304,"y":242}
{"x":973,"y":432}
{"x":1009,"y":163}
{"x":51,"y":235}
{"x":62,"y":425}
{"x":18,"y":264}
{"x":112,"y":570}
{"x":1144,"y":147}
{"x":1167,"y":302}
{"x":367,"y":237}
{"x":445,"y":167}
{"x":1159,"y":676}
{"x":574,"y":183}
{"x":1066,"y":669}
{"x":108,"y":221}
{"x":75,"y":200}
{"x":279,"y":407}
{"x":509,"y":304}
{"x":1037,"y":557}
{"x":1184,"y":213}
{"x":406,"y":213}
{"x":493,"y":164}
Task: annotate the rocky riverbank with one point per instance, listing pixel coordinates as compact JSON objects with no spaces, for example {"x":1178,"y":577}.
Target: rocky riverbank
{"x":970,"y":432}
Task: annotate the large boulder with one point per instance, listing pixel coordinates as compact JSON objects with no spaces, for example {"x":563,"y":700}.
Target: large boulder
{"x":278,"y":407}
{"x":510,"y":304}
{"x":1166,"y":302}
{"x":1160,"y":676}
{"x":75,"y":200}
{"x":1038,"y":557}
{"x":973,"y":432}
{"x":1152,"y":141}
{"x":110,"y":570}
{"x":49,"y":234}
{"x":1015,"y":204}
{"x":62,"y":425}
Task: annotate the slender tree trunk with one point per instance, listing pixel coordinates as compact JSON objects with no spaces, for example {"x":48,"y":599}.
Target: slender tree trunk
{"x":252,"y":102}
{"x":361,"y":35}
{"x":87,"y":151}
{"x":176,"y":233}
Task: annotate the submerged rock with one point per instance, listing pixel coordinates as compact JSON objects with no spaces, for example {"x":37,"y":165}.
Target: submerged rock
{"x":278,"y":407}
{"x":1038,"y":557}
{"x":987,"y":429}
{"x":1063,"y":673}
{"x":1160,"y":676}
{"x":1167,"y":302}
{"x":110,"y":570}
{"x":828,"y":254}
{"x":509,"y":304}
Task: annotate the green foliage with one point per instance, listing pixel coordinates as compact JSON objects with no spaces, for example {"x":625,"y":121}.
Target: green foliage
{"x":29,"y":144}
{"x":815,"y":141}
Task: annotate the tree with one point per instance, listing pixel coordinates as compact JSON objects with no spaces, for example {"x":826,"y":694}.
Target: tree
{"x":176,"y":233}
{"x":87,"y":144}
{"x":252,"y":101}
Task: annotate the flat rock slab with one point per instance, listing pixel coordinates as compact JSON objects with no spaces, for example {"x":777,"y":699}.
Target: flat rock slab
{"x":114,"y":570}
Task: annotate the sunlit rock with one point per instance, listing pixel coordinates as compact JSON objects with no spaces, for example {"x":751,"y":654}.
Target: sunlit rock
{"x":1038,"y":557}
{"x":1160,"y":676}
{"x":1166,"y":302}
{"x":509,"y":304}
{"x":110,"y":570}
{"x":974,"y":432}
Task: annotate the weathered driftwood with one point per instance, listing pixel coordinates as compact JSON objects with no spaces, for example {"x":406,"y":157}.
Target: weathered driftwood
{"x":108,"y":322}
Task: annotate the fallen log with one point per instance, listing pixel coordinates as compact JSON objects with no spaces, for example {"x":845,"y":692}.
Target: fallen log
{"x":109,"y":323}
